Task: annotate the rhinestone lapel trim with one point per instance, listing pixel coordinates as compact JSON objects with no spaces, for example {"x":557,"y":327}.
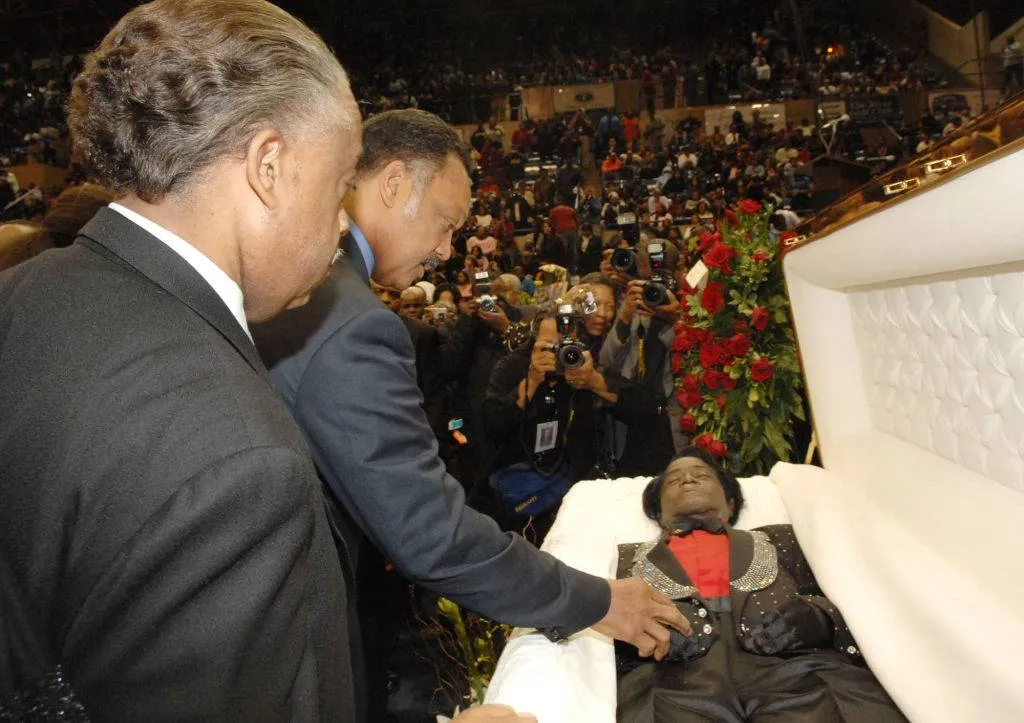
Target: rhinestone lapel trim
{"x":763,"y":570}
{"x":764,"y":566}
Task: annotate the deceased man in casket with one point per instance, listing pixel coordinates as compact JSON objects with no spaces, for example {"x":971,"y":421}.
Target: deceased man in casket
{"x":766,"y":643}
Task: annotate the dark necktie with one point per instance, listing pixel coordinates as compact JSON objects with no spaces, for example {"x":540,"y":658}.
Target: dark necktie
{"x":685,"y":525}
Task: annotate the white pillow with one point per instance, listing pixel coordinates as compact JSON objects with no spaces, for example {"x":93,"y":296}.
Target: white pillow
{"x":612,"y":510}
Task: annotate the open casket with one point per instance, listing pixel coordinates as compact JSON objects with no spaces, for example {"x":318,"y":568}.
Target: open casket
{"x":908,"y":303}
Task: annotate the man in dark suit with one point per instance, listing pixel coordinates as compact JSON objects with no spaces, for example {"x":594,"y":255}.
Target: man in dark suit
{"x":427,"y":345}
{"x":766,"y":643}
{"x":345,"y":366}
{"x":162,"y":532}
{"x":587,"y":251}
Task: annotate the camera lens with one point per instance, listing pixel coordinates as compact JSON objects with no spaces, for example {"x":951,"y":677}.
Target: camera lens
{"x":624,"y":260}
{"x":571,"y":356}
{"x":655,"y":294}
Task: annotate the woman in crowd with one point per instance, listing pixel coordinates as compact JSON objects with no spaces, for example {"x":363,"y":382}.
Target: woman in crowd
{"x":549,"y":245}
{"x":464,"y":283}
{"x":479,"y":261}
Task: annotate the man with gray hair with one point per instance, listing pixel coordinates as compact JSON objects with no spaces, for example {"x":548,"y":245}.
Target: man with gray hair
{"x":345,"y":365}
{"x":507,"y":286}
{"x":163,"y":542}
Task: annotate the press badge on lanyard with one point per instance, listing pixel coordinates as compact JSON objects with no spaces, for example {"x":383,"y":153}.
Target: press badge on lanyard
{"x":547,"y":437}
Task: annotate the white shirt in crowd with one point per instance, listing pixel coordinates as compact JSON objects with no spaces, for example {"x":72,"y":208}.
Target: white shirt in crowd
{"x":222,"y":284}
{"x":488,"y":245}
{"x":656,"y":205}
{"x":682,"y":158}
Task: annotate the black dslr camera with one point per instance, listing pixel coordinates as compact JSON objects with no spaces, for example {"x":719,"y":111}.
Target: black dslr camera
{"x":657,"y":290}
{"x":624,"y":261}
{"x":568,"y":352}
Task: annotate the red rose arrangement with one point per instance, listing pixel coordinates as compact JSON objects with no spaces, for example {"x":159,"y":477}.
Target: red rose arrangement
{"x":738,"y":382}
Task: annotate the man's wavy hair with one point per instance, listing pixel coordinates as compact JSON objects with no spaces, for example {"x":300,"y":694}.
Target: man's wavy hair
{"x":730,"y":485}
{"x":177,"y":85}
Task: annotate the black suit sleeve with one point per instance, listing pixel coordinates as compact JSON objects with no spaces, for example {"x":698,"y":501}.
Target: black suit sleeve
{"x":430,"y":378}
{"x":360,"y":407}
{"x":501,"y":415}
{"x":457,"y":352}
{"x":793,"y":561}
{"x":203,"y":613}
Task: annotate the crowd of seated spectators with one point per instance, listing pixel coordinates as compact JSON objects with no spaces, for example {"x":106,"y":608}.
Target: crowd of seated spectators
{"x":33,"y":93}
{"x":757,"y":63}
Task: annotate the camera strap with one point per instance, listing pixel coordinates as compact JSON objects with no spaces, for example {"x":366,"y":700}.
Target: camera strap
{"x":641,"y":362}
{"x":531,"y":454}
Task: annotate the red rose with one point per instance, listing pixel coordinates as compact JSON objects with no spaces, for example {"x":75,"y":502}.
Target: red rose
{"x":688,"y":423}
{"x":760,"y":318}
{"x":760,"y":256}
{"x":717,"y":448}
{"x":713,"y":299}
{"x":731,"y":217}
{"x":749,"y":206}
{"x":700,"y":336}
{"x":762,"y":370}
{"x":703,"y":441}
{"x":737,"y":345}
{"x":677,"y":364}
{"x":730,"y":383}
{"x":691,"y":384}
{"x":708,"y":240}
{"x":682,"y":343}
{"x":741,"y":327}
{"x":720,"y":399}
{"x":689,"y":399}
{"x":718,"y":257}
{"x":712,"y":354}
{"x":714,"y":379}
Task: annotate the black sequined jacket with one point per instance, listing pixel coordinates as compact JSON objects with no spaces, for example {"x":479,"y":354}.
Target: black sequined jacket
{"x":766,"y":569}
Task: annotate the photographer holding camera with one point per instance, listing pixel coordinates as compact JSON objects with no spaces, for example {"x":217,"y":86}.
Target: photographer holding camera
{"x":541,"y":412}
{"x":547,"y":406}
{"x":483,"y":333}
{"x":639,"y":348}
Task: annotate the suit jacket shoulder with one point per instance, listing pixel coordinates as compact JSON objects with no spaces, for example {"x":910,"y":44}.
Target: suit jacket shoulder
{"x":352,"y":386}
{"x":146,"y":431}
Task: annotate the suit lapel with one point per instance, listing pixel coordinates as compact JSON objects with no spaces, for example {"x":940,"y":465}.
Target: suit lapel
{"x":741,"y":554}
{"x":153,"y":259}
{"x":656,"y":564}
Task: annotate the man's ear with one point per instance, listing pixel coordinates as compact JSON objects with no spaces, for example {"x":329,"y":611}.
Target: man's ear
{"x":263,"y":166}
{"x":389,"y":182}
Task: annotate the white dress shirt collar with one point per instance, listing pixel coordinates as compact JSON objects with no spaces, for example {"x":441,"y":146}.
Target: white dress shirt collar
{"x":224,"y":286}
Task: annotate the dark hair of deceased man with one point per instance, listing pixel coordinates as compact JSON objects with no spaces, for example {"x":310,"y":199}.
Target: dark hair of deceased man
{"x":724,"y":502}
{"x":177,"y":85}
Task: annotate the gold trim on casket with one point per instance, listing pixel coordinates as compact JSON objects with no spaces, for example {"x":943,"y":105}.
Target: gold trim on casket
{"x":992,"y":135}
